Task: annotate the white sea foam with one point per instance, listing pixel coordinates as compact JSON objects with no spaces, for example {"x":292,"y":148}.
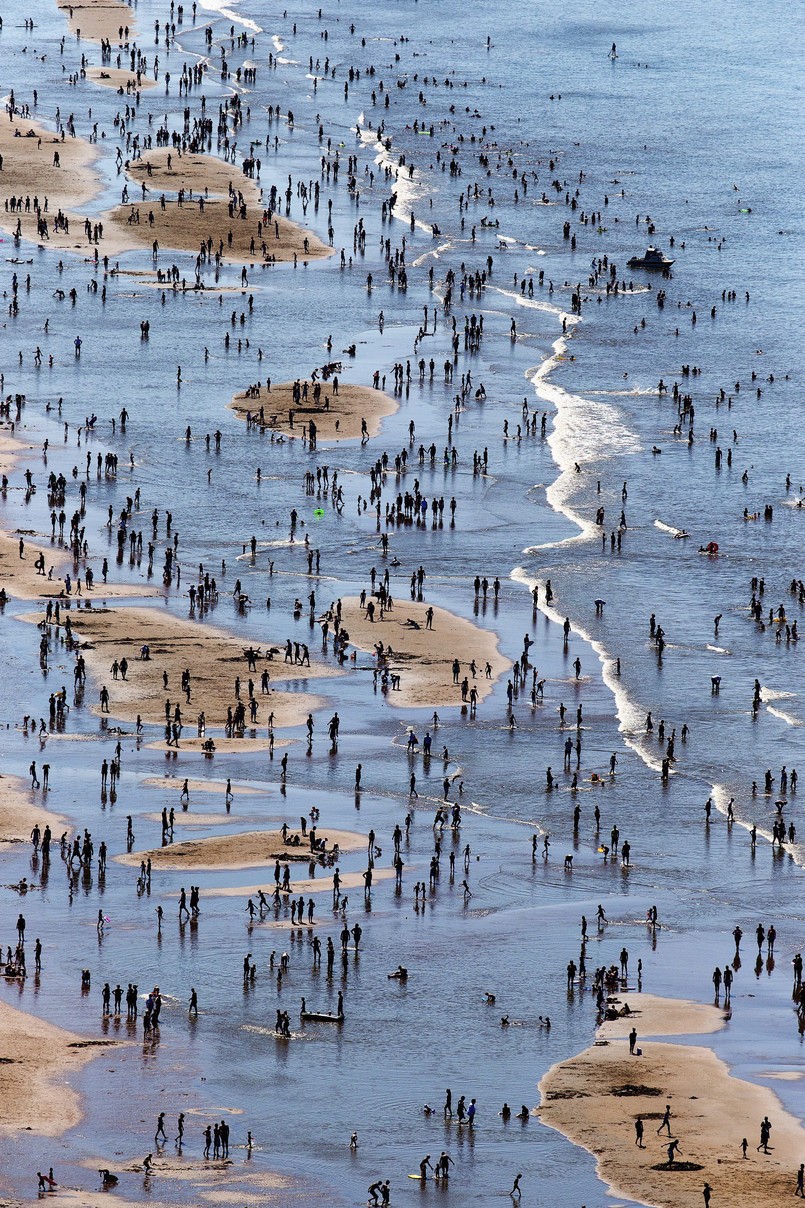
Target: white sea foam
{"x":435,"y":253}
{"x":583,"y":431}
{"x":409,"y":189}
{"x":631,"y":718}
{"x":721,"y":796}
{"x":767,"y":694}
{"x":668,"y":528}
{"x":533,"y":303}
{"x":223,"y":10}
{"x":786,"y":717}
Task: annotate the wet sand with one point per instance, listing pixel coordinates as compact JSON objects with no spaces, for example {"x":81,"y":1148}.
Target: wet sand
{"x":99,"y":20}
{"x":337,"y":416}
{"x":204,"y":1182}
{"x":248,"y":849}
{"x":21,"y":579}
{"x":190,"y":820}
{"x":37,"y":1063}
{"x":21,"y":809}
{"x":116,"y":77}
{"x":595,"y":1098}
{"x":214,"y":658}
{"x":320,"y":884}
{"x":204,"y":215}
{"x":29,"y":169}
{"x":424,"y":657}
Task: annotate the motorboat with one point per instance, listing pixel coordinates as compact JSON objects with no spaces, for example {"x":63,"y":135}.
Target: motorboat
{"x":652,"y":258}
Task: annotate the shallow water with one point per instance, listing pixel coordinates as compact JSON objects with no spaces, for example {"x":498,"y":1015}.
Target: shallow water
{"x":676,"y":134}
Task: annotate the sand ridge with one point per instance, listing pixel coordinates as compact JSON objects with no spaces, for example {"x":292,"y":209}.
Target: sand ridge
{"x":100,"y":20}
{"x":211,"y":215}
{"x":595,"y":1098}
{"x":424,"y":657}
{"x":41,"y":164}
{"x":336,"y":416}
{"x":37,"y":1059}
{"x":214,"y":658}
{"x":247,"y":849}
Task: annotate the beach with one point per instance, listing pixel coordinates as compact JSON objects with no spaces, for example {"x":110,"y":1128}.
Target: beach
{"x":100,"y":19}
{"x":399,"y":440}
{"x":353,"y":412}
{"x":243,"y":850}
{"x":38,"y":1068}
{"x":596,"y":1097}
{"x":214,"y":659}
{"x":424,"y":655}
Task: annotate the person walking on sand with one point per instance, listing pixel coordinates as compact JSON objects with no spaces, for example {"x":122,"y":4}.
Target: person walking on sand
{"x":665,"y":1123}
{"x":707,"y":1192}
{"x":800,"y":1191}
{"x":638,"y":1133}
{"x":765,"y":1134}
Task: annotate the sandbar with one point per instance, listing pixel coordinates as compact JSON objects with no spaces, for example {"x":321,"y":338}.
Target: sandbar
{"x":176,"y":784}
{"x":213,"y":657}
{"x":37,"y":1061}
{"x":337,"y":416}
{"x":100,"y":20}
{"x":203,"y":213}
{"x":248,"y":849}
{"x":22,"y":580}
{"x":116,"y":77}
{"x":424,"y":657}
{"x":29,"y":170}
{"x":595,"y":1098}
{"x":322,"y":884}
{"x":21,"y":810}
{"x":206,"y":1182}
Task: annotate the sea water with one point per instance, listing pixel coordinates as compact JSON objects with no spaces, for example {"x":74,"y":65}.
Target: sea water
{"x":696,"y":122}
